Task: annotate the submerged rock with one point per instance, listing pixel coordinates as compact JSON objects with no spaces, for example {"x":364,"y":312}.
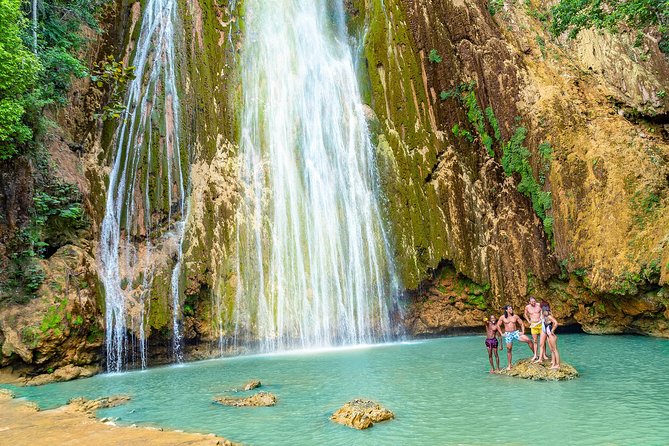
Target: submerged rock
{"x":67,"y":373}
{"x":253,"y":384}
{"x":361,"y":414}
{"x":90,"y":406}
{"x":260,"y":399}
{"x":526,"y":369}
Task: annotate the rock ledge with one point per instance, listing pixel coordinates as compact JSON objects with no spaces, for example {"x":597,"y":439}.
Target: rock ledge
{"x":361,"y":414}
{"x":525,"y":369}
{"x":260,"y":399}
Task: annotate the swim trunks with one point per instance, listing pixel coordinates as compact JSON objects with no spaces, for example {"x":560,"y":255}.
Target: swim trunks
{"x":511,"y":336}
{"x":491,"y":343}
{"x":535,"y":327}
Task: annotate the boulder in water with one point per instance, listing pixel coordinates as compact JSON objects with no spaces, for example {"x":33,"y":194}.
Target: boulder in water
{"x":528,"y":370}
{"x":253,"y":384}
{"x":90,"y":406}
{"x":260,"y":399}
{"x":361,"y":414}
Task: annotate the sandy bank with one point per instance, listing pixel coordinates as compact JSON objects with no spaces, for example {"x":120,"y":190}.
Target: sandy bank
{"x":22,"y":424}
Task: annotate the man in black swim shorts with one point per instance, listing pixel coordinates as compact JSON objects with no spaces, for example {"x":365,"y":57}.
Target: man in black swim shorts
{"x":491,"y":342}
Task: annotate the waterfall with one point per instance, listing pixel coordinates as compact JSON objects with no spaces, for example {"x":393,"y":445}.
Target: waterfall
{"x":148,"y":157}
{"x":314,"y":267}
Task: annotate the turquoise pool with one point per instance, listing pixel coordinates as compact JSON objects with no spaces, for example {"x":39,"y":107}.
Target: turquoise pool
{"x":439,"y":390}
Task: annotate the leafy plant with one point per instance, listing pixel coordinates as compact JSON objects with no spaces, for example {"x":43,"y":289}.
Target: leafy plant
{"x":575,"y":15}
{"x":494,"y":6}
{"x":433,"y":56}
{"x":515,"y":156}
{"x":113,"y":76}
{"x":18,"y":75}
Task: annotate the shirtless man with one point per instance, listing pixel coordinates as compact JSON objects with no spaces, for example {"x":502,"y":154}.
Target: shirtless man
{"x":491,"y":343}
{"x":511,"y":332}
{"x":533,"y":318}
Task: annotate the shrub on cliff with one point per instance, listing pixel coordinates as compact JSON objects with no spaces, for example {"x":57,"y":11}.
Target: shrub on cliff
{"x":575,"y":15}
{"x":18,"y":74}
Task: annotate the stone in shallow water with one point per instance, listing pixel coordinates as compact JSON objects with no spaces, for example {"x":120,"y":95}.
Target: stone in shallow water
{"x":361,"y":414}
{"x":260,"y":399}
{"x":252,"y":384}
{"x":90,"y":406}
{"x":526,"y":369}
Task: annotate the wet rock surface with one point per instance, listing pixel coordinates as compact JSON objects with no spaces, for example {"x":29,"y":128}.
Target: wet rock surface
{"x":361,"y":414}
{"x":67,"y":373}
{"x":89,"y":407}
{"x":260,"y":399}
{"x":253,"y":384}
{"x":540,"y":372}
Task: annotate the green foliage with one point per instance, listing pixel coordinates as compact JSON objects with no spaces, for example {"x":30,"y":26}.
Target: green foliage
{"x":465,"y":94}
{"x":113,"y":76}
{"x":477,"y":301}
{"x":516,"y":160}
{"x":515,"y":156}
{"x":644,"y":204}
{"x":433,"y":56}
{"x":54,"y":317}
{"x":629,"y":283}
{"x":575,"y":15}
{"x":31,"y":80}
{"x":494,"y":6}
{"x":30,"y":336}
{"x":95,"y":334}
{"x":661,"y":94}
{"x":18,"y":74}
{"x":77,"y":321}
{"x":59,"y":40}
{"x":60,"y":200}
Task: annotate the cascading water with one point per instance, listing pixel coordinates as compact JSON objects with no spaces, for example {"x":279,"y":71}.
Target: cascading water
{"x":314,"y":266}
{"x":148,"y":157}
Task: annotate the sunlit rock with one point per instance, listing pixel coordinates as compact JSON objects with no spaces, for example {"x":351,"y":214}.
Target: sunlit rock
{"x":361,"y":414}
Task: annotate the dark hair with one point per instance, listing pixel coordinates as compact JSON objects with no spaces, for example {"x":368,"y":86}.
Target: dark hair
{"x":506,"y":313}
{"x":545,"y":306}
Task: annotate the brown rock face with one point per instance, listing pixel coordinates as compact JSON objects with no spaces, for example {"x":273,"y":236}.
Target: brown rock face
{"x":260,"y":399}
{"x":66,"y":373}
{"x":361,"y":414}
{"x":525,"y":369}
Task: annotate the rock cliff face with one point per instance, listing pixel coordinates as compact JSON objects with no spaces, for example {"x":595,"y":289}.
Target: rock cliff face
{"x":476,"y":118}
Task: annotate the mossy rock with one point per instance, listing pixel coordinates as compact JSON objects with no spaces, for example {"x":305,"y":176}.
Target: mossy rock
{"x":540,"y":372}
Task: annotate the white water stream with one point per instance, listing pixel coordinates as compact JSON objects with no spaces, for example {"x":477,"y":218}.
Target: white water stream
{"x":314,"y":264}
{"x":152,"y":103}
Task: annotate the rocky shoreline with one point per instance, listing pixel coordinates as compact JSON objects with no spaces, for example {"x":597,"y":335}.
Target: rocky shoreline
{"x":22,"y":423}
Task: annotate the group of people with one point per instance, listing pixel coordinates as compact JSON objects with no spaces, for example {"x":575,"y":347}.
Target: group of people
{"x":542,"y":328}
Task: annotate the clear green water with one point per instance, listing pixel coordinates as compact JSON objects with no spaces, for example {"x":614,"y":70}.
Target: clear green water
{"x":439,"y":390}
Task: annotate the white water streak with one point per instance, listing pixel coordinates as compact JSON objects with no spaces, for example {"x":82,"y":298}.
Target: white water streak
{"x":152,"y":102}
{"x":314,"y":266}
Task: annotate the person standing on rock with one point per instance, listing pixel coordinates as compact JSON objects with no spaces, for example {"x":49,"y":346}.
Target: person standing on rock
{"x":511,"y":332}
{"x":533,"y":318}
{"x":491,"y":343}
{"x":548,"y":326}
